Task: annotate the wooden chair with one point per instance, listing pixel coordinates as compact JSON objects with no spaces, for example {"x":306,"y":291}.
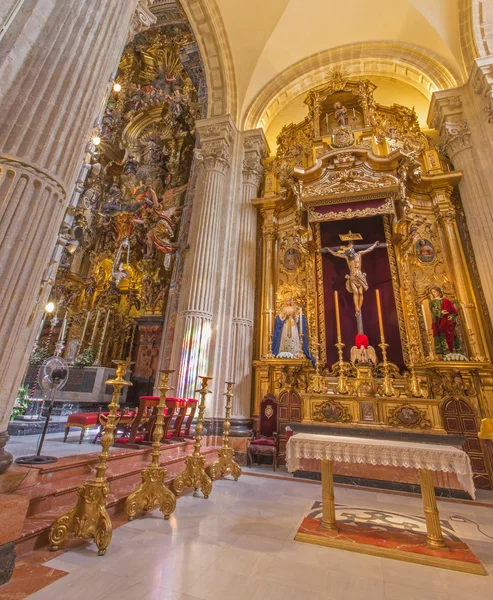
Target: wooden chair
{"x":265,"y":441}
{"x":187,"y":423}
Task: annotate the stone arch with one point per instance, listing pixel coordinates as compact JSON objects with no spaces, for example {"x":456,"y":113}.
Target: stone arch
{"x":207,"y":24}
{"x":476,"y":31}
{"x":413,"y":65}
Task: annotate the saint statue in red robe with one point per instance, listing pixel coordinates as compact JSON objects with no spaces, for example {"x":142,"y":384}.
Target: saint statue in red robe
{"x":444,"y":321}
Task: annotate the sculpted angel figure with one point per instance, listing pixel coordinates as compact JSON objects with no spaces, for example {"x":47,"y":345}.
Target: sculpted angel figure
{"x":356,"y":283}
{"x":158,"y":223}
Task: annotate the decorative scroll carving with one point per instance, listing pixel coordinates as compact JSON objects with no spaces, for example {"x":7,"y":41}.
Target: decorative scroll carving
{"x":142,"y":18}
{"x":348,"y":180}
{"x":349,"y":213}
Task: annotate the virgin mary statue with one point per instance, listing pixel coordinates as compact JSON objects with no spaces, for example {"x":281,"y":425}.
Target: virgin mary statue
{"x":286,"y":339}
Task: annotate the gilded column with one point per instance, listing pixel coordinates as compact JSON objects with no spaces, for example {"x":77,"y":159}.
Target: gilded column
{"x":254,"y":151}
{"x":57,"y":60}
{"x":269,"y":236}
{"x":458,"y":265}
{"x":193,"y":346}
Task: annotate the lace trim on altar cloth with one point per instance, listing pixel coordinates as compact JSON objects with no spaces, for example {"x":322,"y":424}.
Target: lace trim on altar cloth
{"x":381,"y":452}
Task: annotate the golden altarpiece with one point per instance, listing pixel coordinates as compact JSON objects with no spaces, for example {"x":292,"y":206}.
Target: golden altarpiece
{"x":353,"y":173}
{"x":112,"y":288}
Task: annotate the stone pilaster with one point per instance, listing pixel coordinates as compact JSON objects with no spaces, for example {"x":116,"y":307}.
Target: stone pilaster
{"x":467,"y":142}
{"x":254,"y":152}
{"x":192,"y":344}
{"x":56,"y":63}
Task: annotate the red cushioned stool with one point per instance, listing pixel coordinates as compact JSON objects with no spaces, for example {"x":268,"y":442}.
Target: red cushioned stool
{"x":83,"y":421}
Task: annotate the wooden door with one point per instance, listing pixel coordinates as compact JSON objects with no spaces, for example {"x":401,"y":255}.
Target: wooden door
{"x":459,"y":418}
{"x":289,"y":412}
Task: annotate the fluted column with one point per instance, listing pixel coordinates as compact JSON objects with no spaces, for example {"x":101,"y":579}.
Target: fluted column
{"x":467,"y":139}
{"x":57,"y":60}
{"x":254,"y":151}
{"x":192,"y":345}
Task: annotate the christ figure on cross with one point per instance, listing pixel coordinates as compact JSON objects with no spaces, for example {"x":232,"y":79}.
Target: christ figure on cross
{"x":356,"y":283}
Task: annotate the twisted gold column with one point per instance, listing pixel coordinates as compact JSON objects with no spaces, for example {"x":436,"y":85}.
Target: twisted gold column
{"x":152,"y":492}
{"x":225,"y":464}
{"x":90,"y":518}
{"x":434,"y":537}
{"x":194,"y":475}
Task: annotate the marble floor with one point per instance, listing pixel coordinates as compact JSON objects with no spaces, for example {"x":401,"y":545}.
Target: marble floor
{"x":239,"y":544}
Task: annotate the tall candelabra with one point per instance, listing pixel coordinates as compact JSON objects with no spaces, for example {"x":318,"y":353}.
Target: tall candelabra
{"x":342,"y":384}
{"x":194,"y":475}
{"x":225,"y":464}
{"x":153,"y":492}
{"x":89,"y":518}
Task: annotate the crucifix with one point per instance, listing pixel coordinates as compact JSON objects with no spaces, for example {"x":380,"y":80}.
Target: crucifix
{"x":356,"y":282}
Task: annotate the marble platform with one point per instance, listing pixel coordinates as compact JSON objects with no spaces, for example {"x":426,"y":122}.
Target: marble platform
{"x":50,"y":490}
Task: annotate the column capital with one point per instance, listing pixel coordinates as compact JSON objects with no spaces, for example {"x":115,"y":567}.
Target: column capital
{"x":481,"y":83}
{"x":446,"y":115}
{"x":142,"y":18}
{"x":216,"y":137}
{"x":255,"y":150}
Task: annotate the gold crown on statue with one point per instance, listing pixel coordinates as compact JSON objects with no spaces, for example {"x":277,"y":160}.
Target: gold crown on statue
{"x":350,"y":236}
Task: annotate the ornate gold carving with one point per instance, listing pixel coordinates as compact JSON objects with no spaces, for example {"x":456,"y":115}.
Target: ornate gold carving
{"x":194,"y":475}
{"x":347,"y":180}
{"x":320,"y":297}
{"x":90,"y":518}
{"x":409,"y":416}
{"x":332,"y":412}
{"x":226,"y":465}
{"x":387,"y":225}
{"x":153,"y":492}
{"x":349,"y":213}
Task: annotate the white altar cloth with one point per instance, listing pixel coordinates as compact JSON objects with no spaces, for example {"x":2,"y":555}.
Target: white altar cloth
{"x":433,"y":457}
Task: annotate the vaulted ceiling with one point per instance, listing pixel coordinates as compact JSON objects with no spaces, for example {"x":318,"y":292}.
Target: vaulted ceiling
{"x":278,"y":49}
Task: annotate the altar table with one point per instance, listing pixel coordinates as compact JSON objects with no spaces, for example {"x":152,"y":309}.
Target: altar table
{"x":424,"y":457}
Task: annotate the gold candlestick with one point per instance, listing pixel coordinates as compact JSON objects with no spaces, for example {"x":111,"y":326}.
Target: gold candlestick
{"x":194,"y":475}
{"x":152,"y":492}
{"x":97,"y":362}
{"x":94,"y":331}
{"x":342,"y":385}
{"x":89,"y":518}
{"x":387,"y":388}
{"x":414,"y":389}
{"x":225,"y":464}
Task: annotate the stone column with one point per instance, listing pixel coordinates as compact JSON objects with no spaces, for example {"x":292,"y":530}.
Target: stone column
{"x":254,"y":151}
{"x":467,"y":138}
{"x":56,"y":60}
{"x":192,"y":344}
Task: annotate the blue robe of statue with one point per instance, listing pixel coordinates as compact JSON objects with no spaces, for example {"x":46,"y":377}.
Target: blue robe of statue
{"x":279,"y":325}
